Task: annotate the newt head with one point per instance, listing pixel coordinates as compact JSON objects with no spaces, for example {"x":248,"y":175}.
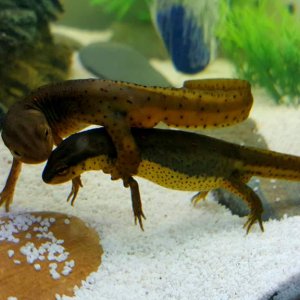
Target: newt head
{"x":27,"y":134}
{"x":60,"y":172}
{"x":67,"y":160}
{"x":63,"y":163}
{"x":80,"y":152}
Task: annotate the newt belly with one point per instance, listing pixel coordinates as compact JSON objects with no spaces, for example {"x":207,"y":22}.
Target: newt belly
{"x":55,"y":111}
{"x":176,"y":160}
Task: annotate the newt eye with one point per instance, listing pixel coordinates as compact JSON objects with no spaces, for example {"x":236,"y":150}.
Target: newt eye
{"x":62,"y":170}
{"x":15,"y":154}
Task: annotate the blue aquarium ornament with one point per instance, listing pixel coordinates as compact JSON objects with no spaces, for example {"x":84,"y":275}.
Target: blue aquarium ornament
{"x":187,"y":30}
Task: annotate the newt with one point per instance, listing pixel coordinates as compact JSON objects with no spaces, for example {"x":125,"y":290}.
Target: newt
{"x":48,"y":114}
{"x":177,"y":160}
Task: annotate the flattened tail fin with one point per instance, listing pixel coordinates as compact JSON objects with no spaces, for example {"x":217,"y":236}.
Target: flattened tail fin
{"x":270,"y":164}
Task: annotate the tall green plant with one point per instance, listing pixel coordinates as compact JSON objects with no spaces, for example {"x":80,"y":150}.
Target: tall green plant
{"x":263,"y":40}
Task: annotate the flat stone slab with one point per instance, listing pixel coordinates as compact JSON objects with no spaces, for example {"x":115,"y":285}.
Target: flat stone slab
{"x":120,"y":62}
{"x":45,"y":253}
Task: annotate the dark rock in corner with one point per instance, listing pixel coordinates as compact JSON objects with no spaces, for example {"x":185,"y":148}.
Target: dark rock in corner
{"x":120,"y":62}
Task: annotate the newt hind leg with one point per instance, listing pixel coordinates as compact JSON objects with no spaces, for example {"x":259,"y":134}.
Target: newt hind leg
{"x":239,"y":188}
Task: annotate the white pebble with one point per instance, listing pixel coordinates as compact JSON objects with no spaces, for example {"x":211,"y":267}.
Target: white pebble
{"x":53,"y":266}
{"x":37,"y":266}
{"x":54,"y":274}
{"x":66,"y":271}
{"x":17,"y":262}
{"x":67,"y":221}
{"x":28,"y":235}
{"x":10,"y":253}
{"x":70,"y":263}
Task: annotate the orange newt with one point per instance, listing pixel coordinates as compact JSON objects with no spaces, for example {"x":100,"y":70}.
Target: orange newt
{"x":176,"y":160}
{"x":54,"y":111}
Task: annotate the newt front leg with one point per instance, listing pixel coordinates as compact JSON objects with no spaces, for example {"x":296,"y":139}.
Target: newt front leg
{"x":128,"y":157}
{"x":136,"y":202}
{"x":7,"y":194}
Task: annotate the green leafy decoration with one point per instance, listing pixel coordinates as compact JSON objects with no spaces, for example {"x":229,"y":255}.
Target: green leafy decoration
{"x":264,"y":44}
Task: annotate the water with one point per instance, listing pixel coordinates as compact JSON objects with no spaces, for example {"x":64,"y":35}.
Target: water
{"x":165,"y":43}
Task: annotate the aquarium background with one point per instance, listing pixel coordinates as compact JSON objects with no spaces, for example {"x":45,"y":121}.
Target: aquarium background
{"x":185,"y":252}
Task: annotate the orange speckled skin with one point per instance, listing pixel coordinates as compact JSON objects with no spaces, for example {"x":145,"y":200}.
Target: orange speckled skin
{"x":55,"y":111}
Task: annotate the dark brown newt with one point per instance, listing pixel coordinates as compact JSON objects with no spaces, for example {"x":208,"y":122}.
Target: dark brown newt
{"x":52,"y":112}
{"x":176,"y":160}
